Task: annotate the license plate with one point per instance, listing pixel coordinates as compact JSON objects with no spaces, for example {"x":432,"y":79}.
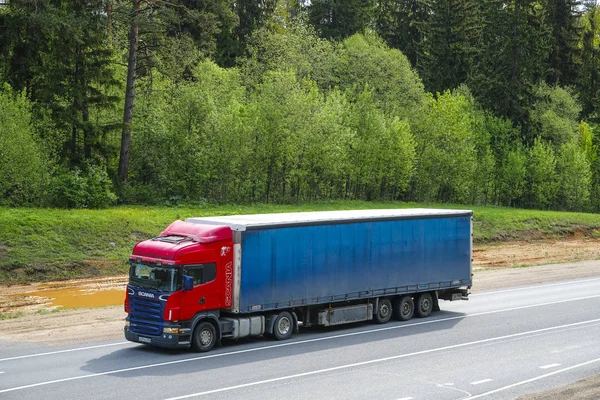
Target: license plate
{"x":144,"y":339}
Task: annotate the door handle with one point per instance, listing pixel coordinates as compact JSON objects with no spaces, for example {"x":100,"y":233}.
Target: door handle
{"x":201,"y":301}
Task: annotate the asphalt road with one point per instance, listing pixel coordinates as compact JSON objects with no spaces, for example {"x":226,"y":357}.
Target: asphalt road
{"x":498,"y":345}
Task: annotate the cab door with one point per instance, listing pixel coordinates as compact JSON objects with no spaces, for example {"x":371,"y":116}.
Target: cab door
{"x":206,"y":294}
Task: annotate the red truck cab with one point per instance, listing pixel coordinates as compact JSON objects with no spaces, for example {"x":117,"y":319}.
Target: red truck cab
{"x":182,"y":275}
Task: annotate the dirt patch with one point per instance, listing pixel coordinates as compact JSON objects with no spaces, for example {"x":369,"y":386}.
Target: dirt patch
{"x":521,"y":253}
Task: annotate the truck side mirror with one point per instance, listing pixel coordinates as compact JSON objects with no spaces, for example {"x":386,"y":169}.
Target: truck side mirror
{"x":188,"y":283}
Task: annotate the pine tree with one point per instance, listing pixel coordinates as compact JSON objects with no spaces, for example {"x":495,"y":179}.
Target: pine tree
{"x":565,"y":58}
{"x":452,"y":43}
{"x":403,"y":24}
{"x":516,"y":42}
{"x":336,"y":19}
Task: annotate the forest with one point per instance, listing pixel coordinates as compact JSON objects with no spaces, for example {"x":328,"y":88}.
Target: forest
{"x":164,"y":102}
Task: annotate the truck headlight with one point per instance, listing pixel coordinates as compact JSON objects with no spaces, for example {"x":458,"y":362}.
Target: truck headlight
{"x":171,"y":330}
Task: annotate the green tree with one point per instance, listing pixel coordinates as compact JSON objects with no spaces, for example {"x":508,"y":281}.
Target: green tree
{"x":542,"y":185}
{"x":447,"y":155}
{"x":589,"y":82}
{"x":340,"y":19}
{"x":554,"y":114}
{"x":382,"y":153}
{"x":514,"y":49}
{"x":23,"y":165}
{"x":574,"y":177}
{"x":453,"y":41}
{"x":59,"y":52}
{"x":403,"y":24}
{"x":513,"y":172}
{"x":565,"y":58}
{"x":364,"y":60}
{"x":297,"y":48}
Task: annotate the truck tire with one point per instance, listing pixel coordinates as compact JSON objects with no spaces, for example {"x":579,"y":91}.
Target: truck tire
{"x":283,"y":326}
{"x":423,"y":305}
{"x":404,"y":308}
{"x":204,"y":337}
{"x":384,"y":311}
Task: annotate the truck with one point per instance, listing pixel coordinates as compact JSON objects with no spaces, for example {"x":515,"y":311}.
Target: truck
{"x":211,"y":278}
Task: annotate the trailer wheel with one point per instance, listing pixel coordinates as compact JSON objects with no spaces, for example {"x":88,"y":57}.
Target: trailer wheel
{"x":283,"y":326}
{"x":423,"y":305}
{"x":404,"y":308}
{"x":204,"y":337}
{"x":384,"y":311}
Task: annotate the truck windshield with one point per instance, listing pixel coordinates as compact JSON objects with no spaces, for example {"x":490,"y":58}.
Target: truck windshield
{"x":150,"y":276}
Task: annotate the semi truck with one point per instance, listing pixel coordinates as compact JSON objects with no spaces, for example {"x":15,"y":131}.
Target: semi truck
{"x":210,"y":278}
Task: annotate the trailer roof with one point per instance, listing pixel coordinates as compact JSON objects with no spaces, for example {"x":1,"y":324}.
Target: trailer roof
{"x":261,"y":221}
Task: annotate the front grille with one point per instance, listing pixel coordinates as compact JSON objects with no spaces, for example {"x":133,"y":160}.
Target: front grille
{"x":146,"y":316}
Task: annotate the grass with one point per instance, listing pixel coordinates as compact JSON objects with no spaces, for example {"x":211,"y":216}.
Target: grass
{"x":50,"y":244}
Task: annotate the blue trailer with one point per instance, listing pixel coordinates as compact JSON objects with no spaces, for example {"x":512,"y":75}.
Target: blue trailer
{"x":271,"y":273}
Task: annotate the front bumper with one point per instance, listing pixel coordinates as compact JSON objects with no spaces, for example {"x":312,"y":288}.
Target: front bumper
{"x":166,"y":340}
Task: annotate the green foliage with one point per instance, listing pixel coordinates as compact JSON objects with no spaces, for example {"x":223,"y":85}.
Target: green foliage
{"x":554,"y":115}
{"x":404,"y":25}
{"x":382,"y":153}
{"x":366,"y":60}
{"x":81,"y":188}
{"x":512,"y":177}
{"x":574,"y":177}
{"x":338,"y":20}
{"x":542,"y":183}
{"x":447,"y":153}
{"x":23,"y":165}
{"x":452,"y":43}
{"x":514,"y":48}
{"x":297,"y":48}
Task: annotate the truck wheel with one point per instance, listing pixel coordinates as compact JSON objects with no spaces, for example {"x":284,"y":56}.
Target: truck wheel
{"x":384,"y":311}
{"x":423,"y":305}
{"x":205,"y":337}
{"x":283,"y":326}
{"x":404,"y":308}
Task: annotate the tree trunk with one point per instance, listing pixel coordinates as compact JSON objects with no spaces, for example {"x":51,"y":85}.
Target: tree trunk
{"x":129,"y":94}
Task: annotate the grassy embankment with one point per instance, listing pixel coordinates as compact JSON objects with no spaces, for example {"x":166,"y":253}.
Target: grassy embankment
{"x":48,"y":244}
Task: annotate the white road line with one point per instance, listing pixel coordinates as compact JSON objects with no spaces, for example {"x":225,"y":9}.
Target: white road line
{"x":405,"y":398}
{"x":65,"y":351}
{"x":549,"y":366}
{"x":1,"y":372}
{"x":534,"y":379}
{"x":531,"y":287}
{"x":481,"y":381}
{"x":256,"y":349}
{"x":379,"y":360}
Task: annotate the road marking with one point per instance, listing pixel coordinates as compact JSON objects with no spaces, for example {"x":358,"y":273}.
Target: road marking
{"x":448,"y":384}
{"x":533,"y":287}
{"x":537,"y":378}
{"x":549,"y":366}
{"x":1,"y":372}
{"x":481,"y":381}
{"x":406,"y":398}
{"x":65,"y":351}
{"x":379,"y":360}
{"x":286,"y":344}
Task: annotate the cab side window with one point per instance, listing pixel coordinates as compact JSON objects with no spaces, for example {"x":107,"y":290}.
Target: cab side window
{"x":202,"y":273}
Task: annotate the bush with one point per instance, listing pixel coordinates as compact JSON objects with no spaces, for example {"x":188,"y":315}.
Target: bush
{"x":77,"y":188}
{"x":22,"y":162}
